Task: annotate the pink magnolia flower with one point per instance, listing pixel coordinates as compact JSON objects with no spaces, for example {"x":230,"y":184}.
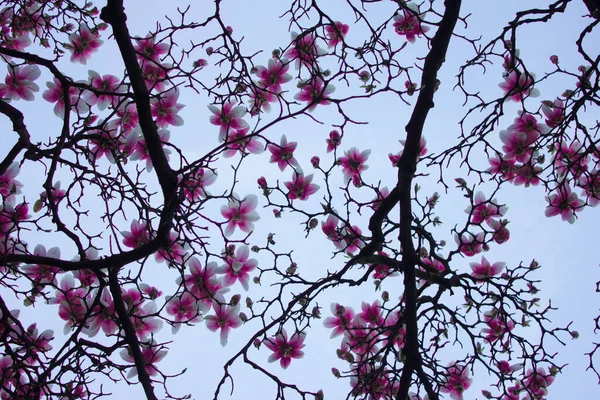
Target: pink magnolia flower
{"x":55,"y":94}
{"x":335,"y":139}
{"x":106,"y":84}
{"x":304,"y":50}
{"x":498,"y":326}
{"x":484,"y":270}
{"x":517,"y":145}
{"x":517,"y":86}
{"x":274,"y":75}
{"x":152,"y":292}
{"x":138,"y":236}
{"x":151,"y":354}
{"x":155,"y":75}
{"x":353,"y":164}
{"x":537,"y":382}
{"x":43,"y":274}
{"x":285,"y":349}
{"x":433,"y":264}
{"x":555,"y":113}
{"x":83,"y":44}
{"x":484,"y":210}
{"x":35,"y":342}
{"x":371,"y":313}
{"x":140,"y":149}
{"x":409,"y":23}
{"x":241,"y":142}
{"x":301,"y":187}
{"x":341,"y":320}
{"x":228,"y":118}
{"x":260,"y":100}
{"x":145,"y":320}
{"x":315,"y":92}
{"x":87,"y":277}
{"x":201,"y":282}
{"x":361,"y":338}
{"x":240,"y":213}
{"x":456,"y":381}
{"x":147,"y":49}
{"x":225,"y":319}
{"x":382,"y":271}
{"x":506,"y":368}
{"x":126,"y":119}
{"x":501,"y":233}
{"x":165,"y":108}
{"x":11,"y":214}
{"x":174,"y":253}
{"x":336,"y":33}
{"x":103,"y":315}
{"x":564,"y":203}
{"x":589,"y":182}
{"x":8,"y":184}
{"x":104,"y":145}
{"x":330,"y":230}
{"x":283,"y":154}
{"x":19,"y":83}
{"x":185,"y":309}
{"x":195,"y":183}
{"x":527,"y":175}
{"x":571,"y":159}
{"x":237,"y":268}
{"x":469,"y":244}
{"x":352,"y":237}
{"x":528,"y":124}
{"x":506,"y":168}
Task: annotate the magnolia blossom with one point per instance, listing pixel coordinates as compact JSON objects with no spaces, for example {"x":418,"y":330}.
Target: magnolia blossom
{"x":484,"y":210}
{"x":237,"y":268}
{"x":283,"y":154}
{"x":55,"y":94}
{"x":274,"y":75}
{"x":83,"y":44}
{"x":336,"y":33}
{"x":353,"y":164}
{"x":147,"y":49}
{"x":228,"y":118}
{"x":240,"y":213}
{"x":8,"y":184}
{"x":330,"y":230}
{"x":409,"y":23}
{"x":165,"y":108}
{"x":202,"y":282}
{"x":225,"y":318}
{"x":104,"y":83}
{"x":301,"y":187}
{"x":518,"y":85}
{"x":333,"y":141}
{"x":184,"y":309}
{"x":285,"y":349}
{"x":43,"y":274}
{"x":241,"y":142}
{"x":341,"y":320}
{"x":470,"y":244}
{"x":456,"y":381}
{"x":498,"y":326}
{"x":554,"y":112}
{"x":304,"y":50}
{"x":19,"y":83}
{"x":484,"y":270}
{"x":151,"y":354}
{"x":194,"y":183}
{"x":564,"y":203}
{"x":315,"y":92}
{"x":138,"y":236}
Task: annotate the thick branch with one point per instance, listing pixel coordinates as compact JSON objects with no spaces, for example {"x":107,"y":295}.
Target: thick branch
{"x":407,"y":167}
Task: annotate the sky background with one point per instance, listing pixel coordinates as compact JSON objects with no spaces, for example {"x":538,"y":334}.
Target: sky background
{"x":566,"y":252}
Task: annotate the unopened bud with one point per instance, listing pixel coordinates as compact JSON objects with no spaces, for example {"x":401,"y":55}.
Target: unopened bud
{"x":257,"y":343}
{"x":316,"y":312}
{"x":255,"y":249}
{"x":575,"y":334}
{"x":336,"y":372}
{"x":554,"y":59}
{"x":249,"y":302}
{"x":256,"y":280}
{"x":315,"y":161}
{"x":243,"y":317}
{"x":235,"y":300}
{"x":319,"y":395}
{"x":276,"y":53}
{"x":313,"y":223}
{"x":277,"y":213}
{"x":385,"y":296}
{"x":292,"y":269}
{"x":209,"y":51}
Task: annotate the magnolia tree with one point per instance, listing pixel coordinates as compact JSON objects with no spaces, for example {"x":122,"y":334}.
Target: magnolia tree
{"x":129,"y":235}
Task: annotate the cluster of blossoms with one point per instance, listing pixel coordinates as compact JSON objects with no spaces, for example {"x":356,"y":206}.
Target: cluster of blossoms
{"x":348,"y":238}
{"x":363,"y":334}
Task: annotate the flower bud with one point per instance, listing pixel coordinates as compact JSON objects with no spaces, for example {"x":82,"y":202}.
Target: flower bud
{"x":277,"y":213}
{"x":385,"y":296}
{"x":255,"y":249}
{"x":364,"y":76}
{"x":235,"y":300}
{"x":243,"y":317}
{"x":257,"y":343}
{"x":315,"y":161}
{"x":554,"y":59}
{"x":313,"y":223}
{"x":249,"y":302}
{"x":209,"y":51}
{"x":276,"y":53}
{"x":319,"y":395}
{"x":336,"y":372}
{"x":316,"y":312}
{"x":256,"y":280}
{"x":574,"y":334}
{"x":200,"y":63}
{"x":262,"y":182}
{"x":292,"y":269}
